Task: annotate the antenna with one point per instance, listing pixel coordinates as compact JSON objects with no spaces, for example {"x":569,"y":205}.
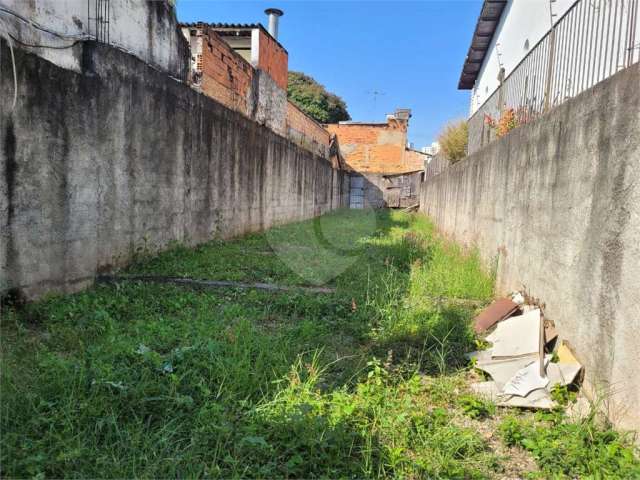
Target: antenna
{"x":375,"y":94}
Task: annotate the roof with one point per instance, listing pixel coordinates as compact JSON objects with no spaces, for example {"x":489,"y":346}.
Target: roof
{"x":220,"y":28}
{"x":486,"y":26}
{"x":234,"y":26}
{"x":351,"y":122}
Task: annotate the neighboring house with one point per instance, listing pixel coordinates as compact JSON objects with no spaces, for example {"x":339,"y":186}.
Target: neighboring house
{"x":384,"y":171}
{"x":532,"y":55}
{"x":57,"y":29}
{"x":244,"y":67}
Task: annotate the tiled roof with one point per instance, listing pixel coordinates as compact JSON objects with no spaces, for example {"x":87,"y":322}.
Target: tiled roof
{"x":488,"y":21}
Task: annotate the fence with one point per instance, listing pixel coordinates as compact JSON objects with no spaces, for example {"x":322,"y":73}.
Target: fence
{"x":593,"y":40}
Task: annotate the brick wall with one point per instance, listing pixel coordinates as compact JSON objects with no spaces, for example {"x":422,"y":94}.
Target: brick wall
{"x":376,"y":147}
{"x":273,"y":59}
{"x":226,"y":76}
{"x":306,"y":132}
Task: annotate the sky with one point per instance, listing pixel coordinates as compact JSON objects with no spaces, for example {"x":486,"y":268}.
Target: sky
{"x":411,"y":52}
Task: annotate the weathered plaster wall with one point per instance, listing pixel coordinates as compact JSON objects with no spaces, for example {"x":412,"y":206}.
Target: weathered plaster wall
{"x":270,"y":107}
{"x":147,"y":29}
{"x":558,"y":201}
{"x":94,"y":165}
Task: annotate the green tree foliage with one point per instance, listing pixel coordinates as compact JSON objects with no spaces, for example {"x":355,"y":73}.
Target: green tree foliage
{"x":313,"y":99}
{"x":453,"y":140}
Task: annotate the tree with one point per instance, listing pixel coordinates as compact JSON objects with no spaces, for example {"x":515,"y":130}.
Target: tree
{"x":453,"y":140}
{"x":314,"y":100}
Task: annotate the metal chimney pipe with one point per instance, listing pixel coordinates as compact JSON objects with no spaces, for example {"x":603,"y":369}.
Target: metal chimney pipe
{"x":274,"y":14}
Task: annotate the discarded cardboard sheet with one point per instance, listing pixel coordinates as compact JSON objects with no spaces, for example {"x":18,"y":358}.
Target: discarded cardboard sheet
{"x":565,"y":355}
{"x":539,"y":399}
{"x":526,"y":380}
{"x":517,"y":336}
{"x":498,"y":310}
{"x":562,"y":373}
{"x":502,"y":370}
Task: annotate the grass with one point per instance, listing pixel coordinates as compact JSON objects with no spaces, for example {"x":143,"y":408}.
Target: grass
{"x":143,"y":380}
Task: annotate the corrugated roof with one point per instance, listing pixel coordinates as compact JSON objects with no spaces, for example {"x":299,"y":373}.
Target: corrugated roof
{"x":488,"y":21}
{"x":236,"y":26}
{"x":218,"y":27}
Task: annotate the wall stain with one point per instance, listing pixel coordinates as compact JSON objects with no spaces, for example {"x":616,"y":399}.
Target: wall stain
{"x":11,"y":170}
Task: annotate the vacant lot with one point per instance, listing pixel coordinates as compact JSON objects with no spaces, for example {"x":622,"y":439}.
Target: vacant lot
{"x":155,"y":380}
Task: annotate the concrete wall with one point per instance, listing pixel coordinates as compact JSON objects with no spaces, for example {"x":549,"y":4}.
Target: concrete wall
{"x":94,"y":165}
{"x":557,"y":202}
{"x":270,"y":107}
{"x":436,"y":165}
{"x":147,"y":29}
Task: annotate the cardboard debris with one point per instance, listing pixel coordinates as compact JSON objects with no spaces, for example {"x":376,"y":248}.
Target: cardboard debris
{"x":539,"y":399}
{"x":526,"y":380}
{"x":517,"y":336}
{"x":521,"y":372}
{"x":565,"y":355}
{"x":502,"y":370}
{"x":562,"y":373}
{"x":498,"y":310}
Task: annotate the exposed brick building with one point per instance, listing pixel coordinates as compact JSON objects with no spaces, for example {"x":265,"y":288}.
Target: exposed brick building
{"x":385,"y":171}
{"x":370,"y":147}
{"x":246,"y":69}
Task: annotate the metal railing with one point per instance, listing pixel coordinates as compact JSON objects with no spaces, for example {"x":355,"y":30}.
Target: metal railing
{"x":592,"y":41}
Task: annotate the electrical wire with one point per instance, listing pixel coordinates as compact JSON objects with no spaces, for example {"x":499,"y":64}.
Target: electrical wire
{"x":55,"y":47}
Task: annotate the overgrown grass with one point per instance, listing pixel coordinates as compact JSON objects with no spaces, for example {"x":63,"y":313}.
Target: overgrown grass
{"x":144,"y":380}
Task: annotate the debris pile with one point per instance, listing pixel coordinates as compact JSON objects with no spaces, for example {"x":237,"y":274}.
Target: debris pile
{"x":519,"y":360}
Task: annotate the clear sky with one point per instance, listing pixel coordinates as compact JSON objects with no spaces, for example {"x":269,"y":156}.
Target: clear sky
{"x":410,"y":51}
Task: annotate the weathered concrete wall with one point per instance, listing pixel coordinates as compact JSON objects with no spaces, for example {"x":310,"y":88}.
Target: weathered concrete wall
{"x":436,"y":165}
{"x":94,"y":165}
{"x":147,"y":29}
{"x":270,"y":107}
{"x":558,"y":201}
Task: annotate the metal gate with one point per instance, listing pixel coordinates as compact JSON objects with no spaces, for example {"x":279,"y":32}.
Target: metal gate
{"x":356,"y":191}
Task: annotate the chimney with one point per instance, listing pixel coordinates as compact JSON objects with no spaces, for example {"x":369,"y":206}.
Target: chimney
{"x":274,"y":14}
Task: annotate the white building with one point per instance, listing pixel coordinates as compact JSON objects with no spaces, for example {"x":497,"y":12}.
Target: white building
{"x":55,"y":29}
{"x":592,"y":40}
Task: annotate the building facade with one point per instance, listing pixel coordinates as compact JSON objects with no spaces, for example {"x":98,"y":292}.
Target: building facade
{"x":526,"y":57}
{"x":384,"y":171}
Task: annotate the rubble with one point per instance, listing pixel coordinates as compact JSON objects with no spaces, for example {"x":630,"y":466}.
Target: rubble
{"x":522,"y":373}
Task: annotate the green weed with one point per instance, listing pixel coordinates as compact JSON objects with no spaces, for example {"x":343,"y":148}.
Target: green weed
{"x":574,"y":450}
{"x":143,"y":380}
